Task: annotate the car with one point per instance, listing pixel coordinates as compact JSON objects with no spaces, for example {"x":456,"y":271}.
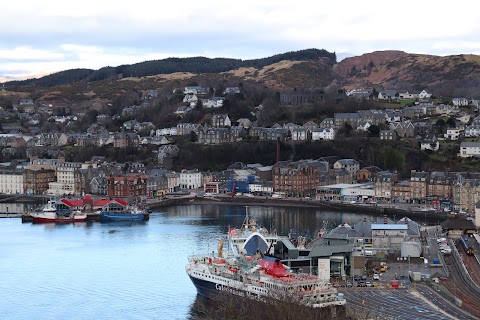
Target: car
{"x":364,"y":278}
{"x":376,"y":276}
{"x":361,"y":284}
{"x":336,"y":285}
{"x":356,"y":277}
{"x":368,"y":284}
{"x":348,"y":284}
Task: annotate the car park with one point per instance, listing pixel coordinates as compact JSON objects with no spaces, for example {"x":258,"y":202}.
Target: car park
{"x":440,"y":240}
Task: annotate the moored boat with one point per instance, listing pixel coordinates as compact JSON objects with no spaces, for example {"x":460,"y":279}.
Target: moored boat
{"x":129,"y":214}
{"x":52,"y":214}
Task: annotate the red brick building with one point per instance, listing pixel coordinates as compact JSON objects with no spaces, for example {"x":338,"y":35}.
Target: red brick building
{"x":127,"y":186}
{"x":297,"y":179}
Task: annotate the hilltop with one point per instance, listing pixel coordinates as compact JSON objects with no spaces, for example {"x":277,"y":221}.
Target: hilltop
{"x":447,"y":76}
{"x":456,"y":75}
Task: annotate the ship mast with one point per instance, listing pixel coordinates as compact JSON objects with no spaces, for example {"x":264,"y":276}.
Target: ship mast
{"x":248,"y":224}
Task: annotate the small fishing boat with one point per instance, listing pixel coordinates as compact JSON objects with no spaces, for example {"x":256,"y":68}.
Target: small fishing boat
{"x":51,"y":213}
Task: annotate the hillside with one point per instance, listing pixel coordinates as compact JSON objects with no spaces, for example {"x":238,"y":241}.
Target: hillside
{"x":457,"y":75}
{"x":170,"y":65}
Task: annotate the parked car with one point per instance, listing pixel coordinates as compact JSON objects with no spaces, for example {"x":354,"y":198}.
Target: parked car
{"x":348,"y":284}
{"x":356,"y":277}
{"x":376,"y":276}
{"x":364,"y":278}
{"x":368,"y":284}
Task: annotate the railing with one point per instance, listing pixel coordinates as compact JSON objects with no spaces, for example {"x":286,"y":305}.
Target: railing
{"x":445,"y":295}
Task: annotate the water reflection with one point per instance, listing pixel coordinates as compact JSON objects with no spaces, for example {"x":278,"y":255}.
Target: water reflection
{"x":17,"y":207}
{"x":282,"y":219}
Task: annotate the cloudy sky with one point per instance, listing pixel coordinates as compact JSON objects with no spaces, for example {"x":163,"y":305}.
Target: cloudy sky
{"x":39,"y":37}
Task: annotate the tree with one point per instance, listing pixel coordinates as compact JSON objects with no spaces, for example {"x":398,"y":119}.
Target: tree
{"x":390,"y":158}
{"x":374,"y":130}
{"x":440,"y":123}
{"x":451,"y":122}
{"x":348,"y":128}
{"x":199,"y":105}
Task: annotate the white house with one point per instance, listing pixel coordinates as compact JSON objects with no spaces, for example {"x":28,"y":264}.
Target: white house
{"x":166,"y":132}
{"x":190,"y":179}
{"x":215,"y":102}
{"x":363,"y":125}
{"x":300,"y":134}
{"x":195,"y":90}
{"x":190,"y":97}
{"x":424,"y":94}
{"x":452,"y":134}
{"x":469,"y":149}
{"x":460,"y":102}
{"x":323,"y":134}
{"x":430,"y":144}
{"x":472,"y":131}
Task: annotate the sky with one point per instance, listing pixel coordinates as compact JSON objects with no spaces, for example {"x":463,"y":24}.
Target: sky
{"x":42,"y":37}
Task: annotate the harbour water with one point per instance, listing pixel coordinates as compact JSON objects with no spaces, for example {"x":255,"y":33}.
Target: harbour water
{"x":124,"y":270}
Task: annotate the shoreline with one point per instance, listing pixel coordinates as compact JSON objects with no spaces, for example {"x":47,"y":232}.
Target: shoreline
{"x":301,"y":203}
{"x":378,"y":210}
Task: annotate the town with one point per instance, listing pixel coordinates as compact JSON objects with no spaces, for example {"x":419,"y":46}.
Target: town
{"x":381,"y":253}
{"x":328,"y":177}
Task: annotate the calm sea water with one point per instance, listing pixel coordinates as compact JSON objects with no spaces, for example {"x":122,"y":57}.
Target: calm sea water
{"x":123,"y":270}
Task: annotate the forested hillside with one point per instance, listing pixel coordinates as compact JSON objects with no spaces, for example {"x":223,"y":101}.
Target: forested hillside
{"x":170,"y":65}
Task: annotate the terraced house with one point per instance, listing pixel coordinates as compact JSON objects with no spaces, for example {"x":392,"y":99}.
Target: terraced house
{"x":297,"y":179}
